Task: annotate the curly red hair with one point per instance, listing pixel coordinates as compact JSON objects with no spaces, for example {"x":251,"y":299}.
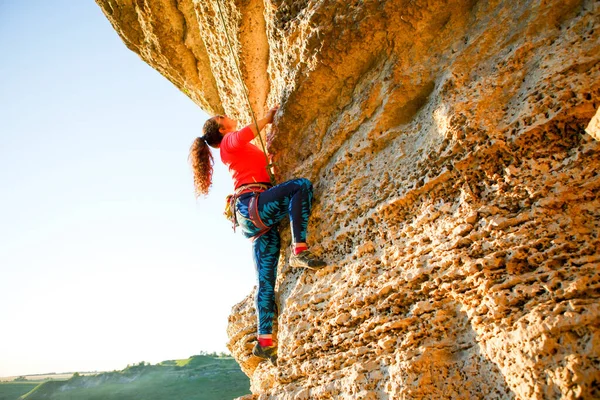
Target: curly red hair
{"x":201,"y":158}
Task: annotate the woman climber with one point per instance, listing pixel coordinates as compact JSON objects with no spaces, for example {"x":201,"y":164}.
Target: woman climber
{"x":257,"y":208}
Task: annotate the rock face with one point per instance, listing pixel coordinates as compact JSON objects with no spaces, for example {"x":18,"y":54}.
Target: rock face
{"x":457,"y":191}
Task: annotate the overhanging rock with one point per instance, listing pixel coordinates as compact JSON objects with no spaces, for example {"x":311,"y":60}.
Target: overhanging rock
{"x":456,"y":186}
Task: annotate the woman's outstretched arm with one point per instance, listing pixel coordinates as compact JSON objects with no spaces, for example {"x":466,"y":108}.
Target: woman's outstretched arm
{"x":267,"y":119}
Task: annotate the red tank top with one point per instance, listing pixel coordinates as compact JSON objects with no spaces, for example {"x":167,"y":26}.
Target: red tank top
{"x":246,"y":162}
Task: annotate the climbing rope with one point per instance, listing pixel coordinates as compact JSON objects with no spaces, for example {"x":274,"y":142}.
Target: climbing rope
{"x":271,"y":176}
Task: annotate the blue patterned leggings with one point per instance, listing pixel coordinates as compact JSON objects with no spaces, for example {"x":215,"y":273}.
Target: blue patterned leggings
{"x":294,"y":199}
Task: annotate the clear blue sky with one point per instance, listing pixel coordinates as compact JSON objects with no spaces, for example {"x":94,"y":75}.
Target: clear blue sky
{"x":106,"y":257}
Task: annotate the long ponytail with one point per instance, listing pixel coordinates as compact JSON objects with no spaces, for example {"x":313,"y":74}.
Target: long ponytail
{"x":201,"y":158}
{"x":202,"y":162}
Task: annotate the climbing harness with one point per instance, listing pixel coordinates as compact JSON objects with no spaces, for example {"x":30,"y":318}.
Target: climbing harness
{"x":254,"y":217}
{"x":252,"y":188}
{"x":245,"y":90}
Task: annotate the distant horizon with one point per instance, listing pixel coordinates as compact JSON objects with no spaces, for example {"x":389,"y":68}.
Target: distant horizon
{"x":112,"y":370}
{"x":201,"y":353}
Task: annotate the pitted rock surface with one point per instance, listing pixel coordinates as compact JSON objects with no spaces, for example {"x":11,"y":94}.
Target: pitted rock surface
{"x":454,"y":150}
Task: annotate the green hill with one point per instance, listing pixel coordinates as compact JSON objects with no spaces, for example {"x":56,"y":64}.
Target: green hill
{"x":13,"y":390}
{"x":205,"y":377}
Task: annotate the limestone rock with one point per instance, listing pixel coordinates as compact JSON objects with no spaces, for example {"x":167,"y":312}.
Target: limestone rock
{"x":457,"y":191}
